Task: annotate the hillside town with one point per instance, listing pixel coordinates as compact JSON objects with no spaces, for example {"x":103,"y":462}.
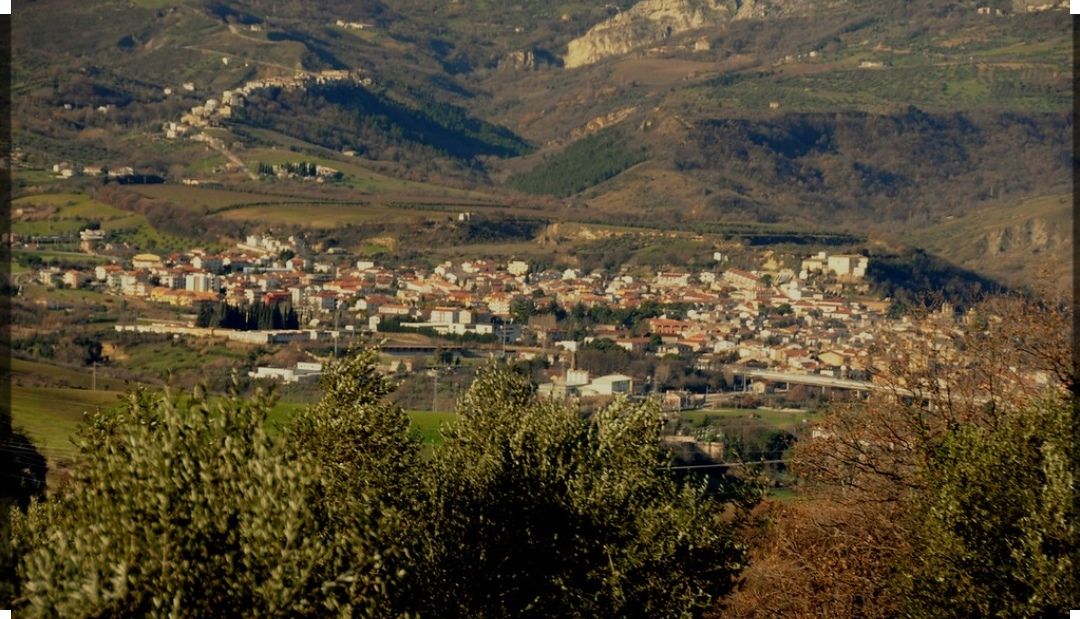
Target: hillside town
{"x":814,"y":321}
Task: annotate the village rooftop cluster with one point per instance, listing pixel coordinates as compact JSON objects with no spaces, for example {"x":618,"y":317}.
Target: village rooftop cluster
{"x":810,"y":321}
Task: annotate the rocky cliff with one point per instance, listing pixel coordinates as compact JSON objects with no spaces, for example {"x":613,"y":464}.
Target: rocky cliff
{"x":651,"y":21}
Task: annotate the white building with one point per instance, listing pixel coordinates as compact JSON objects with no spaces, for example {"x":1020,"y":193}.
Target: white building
{"x":849,"y":265}
{"x":517,"y":268}
{"x":200,"y":282}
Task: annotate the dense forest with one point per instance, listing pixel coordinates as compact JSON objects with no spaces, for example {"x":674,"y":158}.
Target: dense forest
{"x":852,"y":167}
{"x":254,"y":317}
{"x":584,"y":163}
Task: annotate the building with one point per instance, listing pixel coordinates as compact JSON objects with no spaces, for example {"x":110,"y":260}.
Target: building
{"x":743,"y":280}
{"x":200,"y":282}
{"x":304,"y":372}
{"x":74,"y":279}
{"x":849,"y":265}
{"x":146,"y":261}
{"x":517,"y":268}
{"x":611,"y":384}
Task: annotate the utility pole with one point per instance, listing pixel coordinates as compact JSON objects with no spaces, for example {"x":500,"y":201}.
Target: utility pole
{"x":435,"y":390}
{"x":93,"y":376}
{"x":337,"y":314}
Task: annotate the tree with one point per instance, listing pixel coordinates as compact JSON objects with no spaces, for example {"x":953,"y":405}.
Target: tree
{"x":534,"y":510}
{"x":183,"y":506}
{"x":950,"y":491}
{"x":180,"y":505}
{"x":994,"y":532}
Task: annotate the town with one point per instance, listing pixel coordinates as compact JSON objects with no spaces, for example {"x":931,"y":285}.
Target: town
{"x":813,"y":323}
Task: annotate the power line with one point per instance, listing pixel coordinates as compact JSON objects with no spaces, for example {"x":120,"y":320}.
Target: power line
{"x":722,"y":465}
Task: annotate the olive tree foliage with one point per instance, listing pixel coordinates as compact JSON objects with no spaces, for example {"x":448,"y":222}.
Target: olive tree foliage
{"x":361,"y":440}
{"x":532,"y":509}
{"x":527,"y":509}
{"x":180,"y":507}
{"x":994,"y":533}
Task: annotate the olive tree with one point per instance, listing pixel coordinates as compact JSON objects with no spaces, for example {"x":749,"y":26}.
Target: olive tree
{"x":187,"y":507}
{"x":532,"y":509}
{"x":180,"y":507}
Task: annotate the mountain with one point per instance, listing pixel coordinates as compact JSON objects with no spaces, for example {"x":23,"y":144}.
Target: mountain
{"x":851,"y":115}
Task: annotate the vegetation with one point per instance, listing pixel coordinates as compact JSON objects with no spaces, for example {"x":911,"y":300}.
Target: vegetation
{"x":523,"y":510}
{"x":957,"y":500}
{"x":584,"y":163}
{"x":255,"y":317}
{"x":370,"y":122}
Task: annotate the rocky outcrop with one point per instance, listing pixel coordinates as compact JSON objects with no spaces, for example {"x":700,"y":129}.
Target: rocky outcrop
{"x":1031,"y":6}
{"x":651,"y":21}
{"x":645,"y":23}
{"x":1032,"y":236}
{"x":527,"y":60}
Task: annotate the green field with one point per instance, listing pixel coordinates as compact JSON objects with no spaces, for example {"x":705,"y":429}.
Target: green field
{"x":50,"y":415}
{"x":73,"y":211}
{"x":329,"y":215}
{"x":743,"y":419}
{"x":72,"y":378}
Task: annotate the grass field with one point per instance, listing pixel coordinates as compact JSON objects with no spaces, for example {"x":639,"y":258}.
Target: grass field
{"x":742,"y":419}
{"x":73,"y":211}
{"x":329,"y":215}
{"x":75,"y":379}
{"x":50,"y":415}
{"x":64,"y":257}
{"x":208,"y":199}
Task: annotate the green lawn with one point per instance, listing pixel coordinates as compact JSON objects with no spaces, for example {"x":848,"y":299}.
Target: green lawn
{"x":73,"y":212}
{"x":50,"y":415}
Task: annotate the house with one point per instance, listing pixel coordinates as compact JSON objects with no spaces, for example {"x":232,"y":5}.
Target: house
{"x":394,"y":309}
{"x":517,"y":268}
{"x":74,"y":279}
{"x":667,"y":279}
{"x":323,"y":301}
{"x":676,"y":400}
{"x":200,"y":282}
{"x":743,"y":280}
{"x":849,"y":265}
{"x":212,"y":264}
{"x":48,"y":276}
{"x":666,"y":326}
{"x":610,"y":384}
{"x":451,"y":315}
{"x":146,"y":261}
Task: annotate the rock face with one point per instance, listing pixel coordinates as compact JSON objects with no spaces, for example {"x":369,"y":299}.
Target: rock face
{"x":651,"y":21}
{"x":647,"y":22}
{"x":527,"y":60}
{"x":1031,"y":6}
{"x":1033,"y":236}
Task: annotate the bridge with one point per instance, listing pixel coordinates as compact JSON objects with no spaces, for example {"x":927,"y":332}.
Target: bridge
{"x":792,"y":378}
